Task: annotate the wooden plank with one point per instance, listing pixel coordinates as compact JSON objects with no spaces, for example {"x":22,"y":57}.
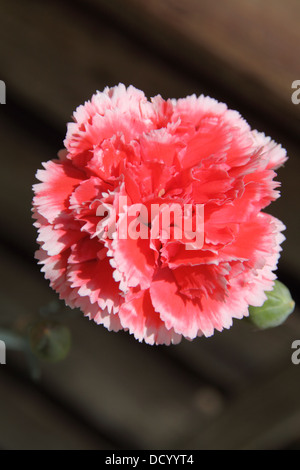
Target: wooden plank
{"x":22,"y":152}
{"x":266,"y":416}
{"x":128,"y":390}
{"x":57,"y":54}
{"x":235,"y":359}
{"x":247,"y":47}
{"x":30,"y":421}
{"x":131,"y":389}
{"x":56,"y":72}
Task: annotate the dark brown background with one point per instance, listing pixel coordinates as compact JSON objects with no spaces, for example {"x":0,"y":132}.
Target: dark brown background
{"x":236,"y":390}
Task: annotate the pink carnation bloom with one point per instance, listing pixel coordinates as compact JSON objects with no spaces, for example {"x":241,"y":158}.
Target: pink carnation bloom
{"x":189,"y":151}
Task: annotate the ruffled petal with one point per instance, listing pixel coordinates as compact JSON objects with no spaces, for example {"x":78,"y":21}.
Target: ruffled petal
{"x":94,"y":279}
{"x":133,"y":257}
{"x":59,"y":179}
{"x":139,"y":317}
{"x":129,"y":165}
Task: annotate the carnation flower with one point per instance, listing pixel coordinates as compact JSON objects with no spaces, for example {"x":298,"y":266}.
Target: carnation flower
{"x":123,"y":152}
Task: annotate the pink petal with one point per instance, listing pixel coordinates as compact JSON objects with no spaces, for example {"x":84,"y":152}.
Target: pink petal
{"x":85,"y":249}
{"x":274,"y":153}
{"x":138,"y":315}
{"x":133,"y":258}
{"x":176,"y":310}
{"x":59,"y":179}
{"x":55,"y":269}
{"x":55,"y":240}
{"x":95,"y":280}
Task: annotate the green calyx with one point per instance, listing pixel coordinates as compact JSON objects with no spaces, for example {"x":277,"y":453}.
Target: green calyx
{"x":276,"y":309}
{"x":50,"y":340}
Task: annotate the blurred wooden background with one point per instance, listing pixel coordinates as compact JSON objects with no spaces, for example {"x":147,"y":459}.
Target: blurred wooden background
{"x":236,"y":390}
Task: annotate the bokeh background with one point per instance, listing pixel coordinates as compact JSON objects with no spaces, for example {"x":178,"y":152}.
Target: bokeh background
{"x":236,"y":390}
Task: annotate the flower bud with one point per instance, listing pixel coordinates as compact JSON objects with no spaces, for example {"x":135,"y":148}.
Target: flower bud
{"x":278,"y":306}
{"x":50,"y":340}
